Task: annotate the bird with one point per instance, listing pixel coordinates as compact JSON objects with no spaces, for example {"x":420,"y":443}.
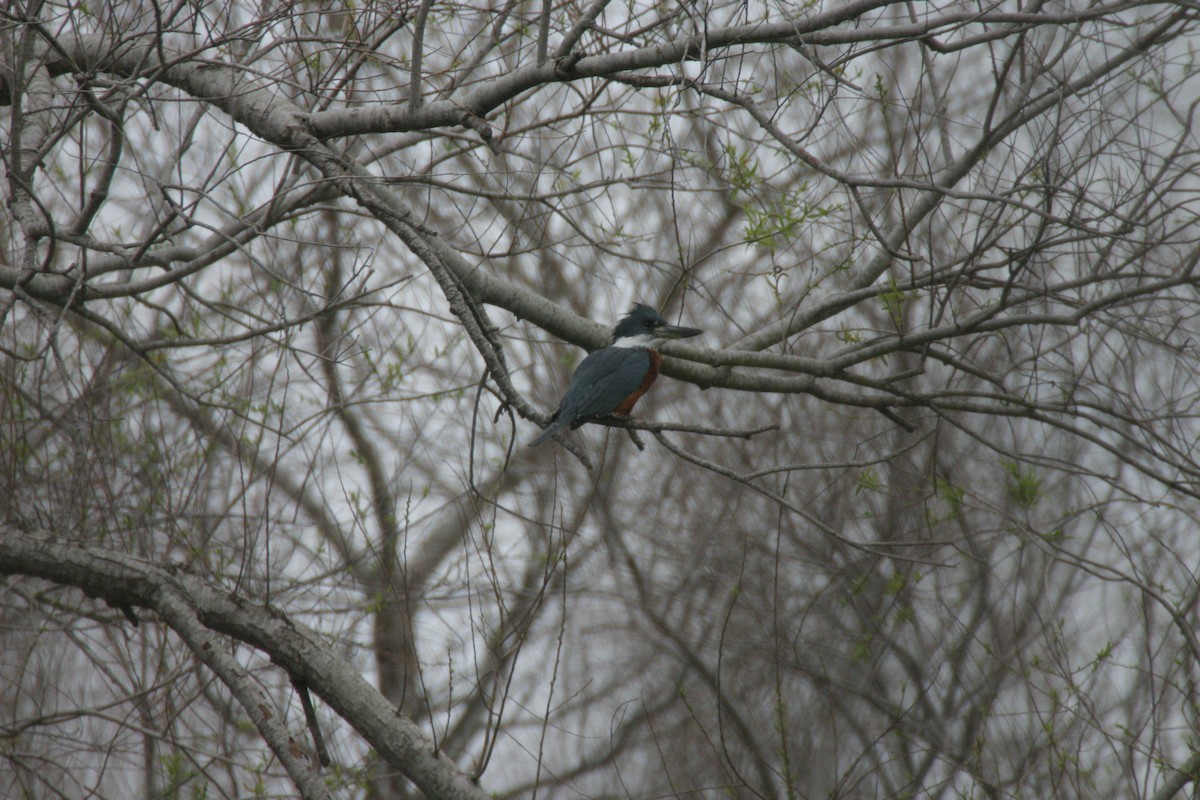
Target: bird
{"x":611,"y":380}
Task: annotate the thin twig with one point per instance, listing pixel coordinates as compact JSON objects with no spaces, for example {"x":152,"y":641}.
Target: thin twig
{"x":869,"y":548}
{"x":314,"y":726}
{"x":418,"y":44}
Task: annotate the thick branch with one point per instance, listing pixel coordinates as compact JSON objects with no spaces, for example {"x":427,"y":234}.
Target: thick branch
{"x":124,"y":581}
{"x":178,"y":612}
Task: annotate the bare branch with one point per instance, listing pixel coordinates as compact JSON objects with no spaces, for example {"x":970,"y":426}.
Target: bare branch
{"x":121,"y":580}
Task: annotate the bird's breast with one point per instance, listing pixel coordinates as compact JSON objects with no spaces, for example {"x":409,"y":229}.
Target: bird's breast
{"x":654,"y":366}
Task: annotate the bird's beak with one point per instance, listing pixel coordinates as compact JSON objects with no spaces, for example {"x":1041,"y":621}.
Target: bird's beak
{"x":676,"y":332}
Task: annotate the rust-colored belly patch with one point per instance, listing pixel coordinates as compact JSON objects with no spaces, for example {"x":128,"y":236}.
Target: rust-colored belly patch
{"x":651,"y":374}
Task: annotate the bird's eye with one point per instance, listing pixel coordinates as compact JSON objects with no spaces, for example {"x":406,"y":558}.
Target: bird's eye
{"x":648,"y":324}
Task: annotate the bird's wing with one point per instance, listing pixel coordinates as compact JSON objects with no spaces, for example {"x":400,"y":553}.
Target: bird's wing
{"x":603,"y":381}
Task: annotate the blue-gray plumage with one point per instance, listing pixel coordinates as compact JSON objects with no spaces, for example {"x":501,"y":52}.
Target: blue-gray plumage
{"x":610,"y":380}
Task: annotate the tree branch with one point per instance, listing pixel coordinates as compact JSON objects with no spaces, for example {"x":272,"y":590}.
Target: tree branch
{"x":122,"y":580}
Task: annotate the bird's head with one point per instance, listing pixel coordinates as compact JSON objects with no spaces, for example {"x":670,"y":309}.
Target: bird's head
{"x":645,"y":327}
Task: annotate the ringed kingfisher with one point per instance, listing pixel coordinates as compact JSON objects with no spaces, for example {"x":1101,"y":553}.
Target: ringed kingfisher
{"x":610,"y":380}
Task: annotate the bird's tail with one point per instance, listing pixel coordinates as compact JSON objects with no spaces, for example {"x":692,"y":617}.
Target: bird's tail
{"x":555,"y":426}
